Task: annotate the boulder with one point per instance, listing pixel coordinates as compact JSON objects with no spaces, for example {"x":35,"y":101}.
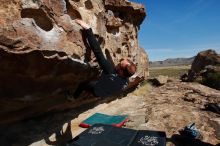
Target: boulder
{"x":43,"y":52}
{"x":205,"y":58}
{"x":205,"y":69}
{"x":159,"y":80}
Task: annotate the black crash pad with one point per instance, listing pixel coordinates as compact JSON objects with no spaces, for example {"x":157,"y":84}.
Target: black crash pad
{"x":108,"y":135}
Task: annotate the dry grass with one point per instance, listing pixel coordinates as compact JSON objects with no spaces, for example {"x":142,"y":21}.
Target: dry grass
{"x":171,"y":71}
{"x":142,"y":89}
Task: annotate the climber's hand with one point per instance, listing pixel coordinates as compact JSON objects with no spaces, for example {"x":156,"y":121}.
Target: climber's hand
{"x":82,"y":23}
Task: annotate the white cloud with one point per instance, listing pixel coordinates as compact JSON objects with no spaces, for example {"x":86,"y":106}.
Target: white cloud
{"x":160,"y":50}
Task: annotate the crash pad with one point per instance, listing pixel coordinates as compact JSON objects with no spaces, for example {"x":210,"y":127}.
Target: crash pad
{"x":117,"y":120}
{"x":108,"y":135}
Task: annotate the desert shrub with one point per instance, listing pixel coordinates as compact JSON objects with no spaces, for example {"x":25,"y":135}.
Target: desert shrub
{"x":212,"y":80}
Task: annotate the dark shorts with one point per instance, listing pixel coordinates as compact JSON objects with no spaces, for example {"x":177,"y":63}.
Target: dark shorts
{"x":86,"y":86}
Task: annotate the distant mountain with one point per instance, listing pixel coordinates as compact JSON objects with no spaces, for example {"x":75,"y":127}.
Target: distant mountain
{"x":172,"y":62}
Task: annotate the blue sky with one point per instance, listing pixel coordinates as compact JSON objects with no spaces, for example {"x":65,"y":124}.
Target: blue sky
{"x":179,"y":28}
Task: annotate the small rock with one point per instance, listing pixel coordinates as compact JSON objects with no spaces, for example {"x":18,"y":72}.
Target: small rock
{"x":160,"y":80}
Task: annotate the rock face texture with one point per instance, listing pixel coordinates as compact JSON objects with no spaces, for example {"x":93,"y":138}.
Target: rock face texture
{"x":43,"y":52}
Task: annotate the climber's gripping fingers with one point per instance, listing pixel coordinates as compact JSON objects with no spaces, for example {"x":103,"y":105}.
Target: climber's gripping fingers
{"x":82,"y":24}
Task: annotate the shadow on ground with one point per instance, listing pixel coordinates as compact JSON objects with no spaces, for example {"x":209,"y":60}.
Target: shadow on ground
{"x":35,"y":130}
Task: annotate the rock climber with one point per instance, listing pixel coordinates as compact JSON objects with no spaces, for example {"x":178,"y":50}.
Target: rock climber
{"x":113,"y":80}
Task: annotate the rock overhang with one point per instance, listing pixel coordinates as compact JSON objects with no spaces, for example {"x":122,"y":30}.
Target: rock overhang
{"x":43,"y":52}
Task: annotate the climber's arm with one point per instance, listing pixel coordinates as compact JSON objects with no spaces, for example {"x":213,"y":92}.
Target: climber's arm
{"x":95,"y":46}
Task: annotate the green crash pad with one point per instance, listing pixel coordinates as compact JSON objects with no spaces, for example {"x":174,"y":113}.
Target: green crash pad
{"x":96,"y":118}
